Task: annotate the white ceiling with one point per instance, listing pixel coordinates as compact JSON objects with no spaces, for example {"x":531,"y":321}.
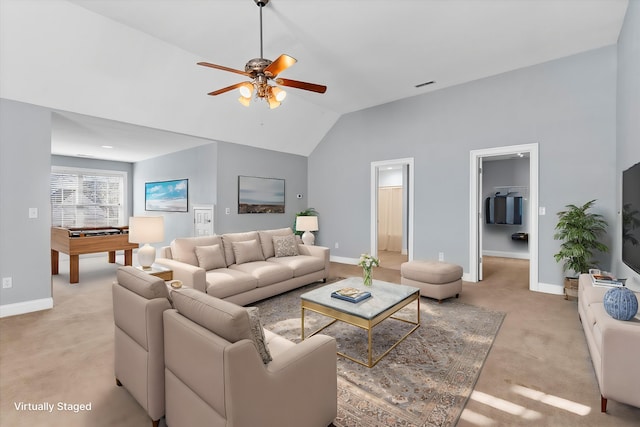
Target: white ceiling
{"x":134,"y":62}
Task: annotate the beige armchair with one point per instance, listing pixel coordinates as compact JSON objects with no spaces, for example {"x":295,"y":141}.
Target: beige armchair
{"x":216,"y":376}
{"x":139,"y":299}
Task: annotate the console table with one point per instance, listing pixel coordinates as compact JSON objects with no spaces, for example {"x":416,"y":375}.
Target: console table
{"x":77,"y":241}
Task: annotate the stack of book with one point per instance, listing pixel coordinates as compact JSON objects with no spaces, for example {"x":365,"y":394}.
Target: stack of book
{"x":605,"y":280}
{"x":351,"y":294}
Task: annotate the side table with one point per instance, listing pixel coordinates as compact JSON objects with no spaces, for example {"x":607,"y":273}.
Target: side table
{"x":165,"y":273}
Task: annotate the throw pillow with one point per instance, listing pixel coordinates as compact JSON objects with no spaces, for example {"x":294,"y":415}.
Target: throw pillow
{"x":266,"y":240}
{"x":210,"y":257}
{"x":247,"y":251}
{"x":620,"y":303}
{"x":285,"y":246}
{"x":258,"y":335}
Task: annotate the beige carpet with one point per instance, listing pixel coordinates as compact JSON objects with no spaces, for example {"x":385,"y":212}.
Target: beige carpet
{"x":538,"y":372}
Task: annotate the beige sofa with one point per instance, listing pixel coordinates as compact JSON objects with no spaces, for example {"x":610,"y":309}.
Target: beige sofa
{"x":217,"y":376}
{"x":139,"y":299}
{"x":245,"y":267}
{"x":614,"y":346}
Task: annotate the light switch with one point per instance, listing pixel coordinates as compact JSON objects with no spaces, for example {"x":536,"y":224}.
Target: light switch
{"x":33,"y":212}
{"x":542,"y":210}
{"x":227,"y":211}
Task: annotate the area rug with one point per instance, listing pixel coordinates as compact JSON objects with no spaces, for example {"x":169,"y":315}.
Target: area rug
{"x":425,"y":381}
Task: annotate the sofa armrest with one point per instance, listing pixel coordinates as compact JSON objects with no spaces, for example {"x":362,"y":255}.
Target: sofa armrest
{"x":317,"y":251}
{"x":620,"y":351}
{"x":190,"y":275}
{"x":165,"y":252}
{"x":302,"y":378}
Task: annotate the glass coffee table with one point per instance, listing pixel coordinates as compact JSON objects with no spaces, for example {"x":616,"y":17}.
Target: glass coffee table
{"x":386,"y":300}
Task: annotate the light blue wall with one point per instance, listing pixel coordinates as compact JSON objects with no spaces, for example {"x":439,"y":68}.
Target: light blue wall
{"x":198,"y":165}
{"x":567,"y":106}
{"x":628,"y":120}
{"x":235,"y":160}
{"x":25,"y":156}
{"x":213,"y":171}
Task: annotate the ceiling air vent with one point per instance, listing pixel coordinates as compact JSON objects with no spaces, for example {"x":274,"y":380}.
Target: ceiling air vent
{"x":425,"y":84}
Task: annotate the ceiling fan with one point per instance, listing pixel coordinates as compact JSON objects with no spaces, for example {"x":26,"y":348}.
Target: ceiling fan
{"x":261,"y":71}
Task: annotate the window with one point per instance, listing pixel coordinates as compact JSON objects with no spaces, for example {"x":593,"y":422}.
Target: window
{"x":87,"y":198}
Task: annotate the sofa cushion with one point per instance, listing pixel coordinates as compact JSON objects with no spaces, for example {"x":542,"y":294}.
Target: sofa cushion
{"x":266,"y":239}
{"x":141,"y":283}
{"x":266,"y":272}
{"x":223,"y":318}
{"x":258,"y":334}
{"x":225,"y":282}
{"x":285,"y":246}
{"x":184,"y":248}
{"x":210,"y":257}
{"x":247,"y":251}
{"x":301,"y":264}
{"x":229,"y":238}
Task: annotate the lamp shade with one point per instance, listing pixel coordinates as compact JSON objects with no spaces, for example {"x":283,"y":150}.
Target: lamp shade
{"x":307,"y":223}
{"x":146,"y":229}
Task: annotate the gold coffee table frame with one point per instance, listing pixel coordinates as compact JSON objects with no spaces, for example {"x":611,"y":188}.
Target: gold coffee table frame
{"x":367,"y":324}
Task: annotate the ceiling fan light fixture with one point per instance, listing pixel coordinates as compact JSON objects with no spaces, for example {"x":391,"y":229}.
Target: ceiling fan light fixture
{"x":273,"y":103}
{"x":278,"y":94}
{"x":260,"y":71}
{"x":246,"y":90}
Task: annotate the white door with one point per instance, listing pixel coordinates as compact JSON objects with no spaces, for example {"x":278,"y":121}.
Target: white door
{"x":203,"y":220}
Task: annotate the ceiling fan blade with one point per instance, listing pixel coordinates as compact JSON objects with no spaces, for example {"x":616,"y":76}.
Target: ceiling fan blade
{"x":302,"y":85}
{"x":226,"y":89}
{"x":223,"y":68}
{"x":281,"y":63}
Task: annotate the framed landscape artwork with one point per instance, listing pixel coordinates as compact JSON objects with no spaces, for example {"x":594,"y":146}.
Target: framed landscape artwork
{"x":260,"y":195}
{"x":167,"y":196}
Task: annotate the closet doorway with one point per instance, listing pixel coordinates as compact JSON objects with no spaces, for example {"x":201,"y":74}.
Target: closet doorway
{"x":476,"y":210}
{"x":392,"y":211}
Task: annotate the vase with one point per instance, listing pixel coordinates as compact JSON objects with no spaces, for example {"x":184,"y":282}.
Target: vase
{"x":367,"y":279}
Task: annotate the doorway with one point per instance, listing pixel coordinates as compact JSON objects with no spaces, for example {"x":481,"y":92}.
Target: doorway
{"x":476,"y":211}
{"x":392,"y":211}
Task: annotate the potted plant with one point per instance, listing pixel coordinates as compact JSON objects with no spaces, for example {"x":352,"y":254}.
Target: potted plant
{"x":579,"y":231}
{"x":306,"y":212}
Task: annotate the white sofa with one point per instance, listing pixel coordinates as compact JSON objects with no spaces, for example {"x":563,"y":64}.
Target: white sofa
{"x":614,"y":346}
{"x":245,"y":267}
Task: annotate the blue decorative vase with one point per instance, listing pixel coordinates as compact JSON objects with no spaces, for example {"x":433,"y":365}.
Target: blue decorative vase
{"x":620,"y":303}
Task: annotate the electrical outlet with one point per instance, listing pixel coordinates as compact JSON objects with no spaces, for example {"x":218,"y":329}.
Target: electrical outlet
{"x":337,"y":245}
{"x":227,"y":211}
{"x":7,"y":283}
{"x":440,"y":256}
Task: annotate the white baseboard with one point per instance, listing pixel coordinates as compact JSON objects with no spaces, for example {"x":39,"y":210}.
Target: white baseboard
{"x":344,"y":260}
{"x":549,"y":288}
{"x":503,"y":254}
{"x":25,"y":307}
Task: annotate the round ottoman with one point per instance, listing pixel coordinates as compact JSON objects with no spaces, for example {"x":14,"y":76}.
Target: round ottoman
{"x":435,"y":279}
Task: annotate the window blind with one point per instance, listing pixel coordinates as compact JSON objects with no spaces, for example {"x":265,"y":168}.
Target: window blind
{"x":87,"y":198}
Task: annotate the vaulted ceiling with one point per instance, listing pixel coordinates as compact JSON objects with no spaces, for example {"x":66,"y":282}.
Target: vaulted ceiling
{"x":106,"y":65}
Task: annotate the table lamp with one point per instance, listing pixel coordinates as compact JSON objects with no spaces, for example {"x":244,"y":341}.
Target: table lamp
{"x":307,"y":224}
{"x":146,"y":229}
